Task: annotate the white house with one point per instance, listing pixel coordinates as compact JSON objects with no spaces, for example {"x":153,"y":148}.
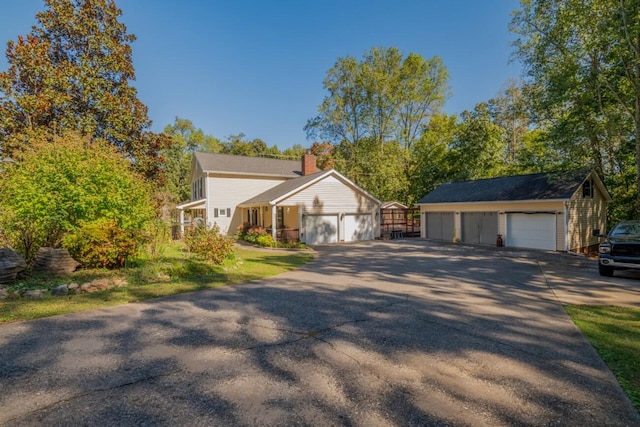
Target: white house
{"x":303,"y":202}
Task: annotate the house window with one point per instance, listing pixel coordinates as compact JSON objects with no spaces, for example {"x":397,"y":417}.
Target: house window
{"x":280,"y":218}
{"x":587,"y":188}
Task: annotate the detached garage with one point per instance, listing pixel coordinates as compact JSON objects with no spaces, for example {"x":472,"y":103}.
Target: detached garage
{"x":549,"y":211}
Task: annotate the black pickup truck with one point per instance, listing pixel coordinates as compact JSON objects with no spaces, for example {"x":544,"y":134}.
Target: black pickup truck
{"x":621,"y":249}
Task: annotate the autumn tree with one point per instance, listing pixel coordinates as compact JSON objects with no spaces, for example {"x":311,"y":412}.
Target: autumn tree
{"x":72,"y":72}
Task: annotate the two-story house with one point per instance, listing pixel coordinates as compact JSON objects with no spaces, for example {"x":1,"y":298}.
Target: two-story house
{"x":292,"y":199}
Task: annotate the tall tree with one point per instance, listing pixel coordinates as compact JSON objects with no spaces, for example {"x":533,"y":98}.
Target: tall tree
{"x":73,"y":73}
{"x":384,"y":99}
{"x":583,"y":71}
{"x":478,"y":150}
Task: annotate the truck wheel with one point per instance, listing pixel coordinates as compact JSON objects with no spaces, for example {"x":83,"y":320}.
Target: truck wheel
{"x":605,"y":270}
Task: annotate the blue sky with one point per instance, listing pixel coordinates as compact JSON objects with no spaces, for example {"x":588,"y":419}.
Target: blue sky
{"x":257,"y":66}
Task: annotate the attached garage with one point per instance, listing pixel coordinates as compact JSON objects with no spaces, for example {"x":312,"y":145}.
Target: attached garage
{"x":440,"y":226}
{"x":321,"y":229}
{"x":358,"y":227}
{"x":531,"y":230}
{"x":319,"y":208}
{"x":480,"y":227}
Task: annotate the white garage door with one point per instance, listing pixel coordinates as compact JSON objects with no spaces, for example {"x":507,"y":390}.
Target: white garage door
{"x":358,"y":227}
{"x":319,"y":229}
{"x":535,"y":231}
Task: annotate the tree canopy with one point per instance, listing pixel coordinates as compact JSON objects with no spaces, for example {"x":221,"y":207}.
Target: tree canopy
{"x":73,"y":73}
{"x":375,"y":112}
{"x":582,"y":61}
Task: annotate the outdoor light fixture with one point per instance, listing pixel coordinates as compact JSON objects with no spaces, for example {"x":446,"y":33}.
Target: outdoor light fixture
{"x":288,"y":210}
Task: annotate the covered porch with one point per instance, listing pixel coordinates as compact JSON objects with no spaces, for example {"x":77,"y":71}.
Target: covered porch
{"x":189,"y":214}
{"x":281,"y":221}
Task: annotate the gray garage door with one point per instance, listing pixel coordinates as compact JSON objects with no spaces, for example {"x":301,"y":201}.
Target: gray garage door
{"x":480,"y":227}
{"x":440,"y":225}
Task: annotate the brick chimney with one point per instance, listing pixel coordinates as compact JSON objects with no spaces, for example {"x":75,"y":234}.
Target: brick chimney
{"x":309,"y":164}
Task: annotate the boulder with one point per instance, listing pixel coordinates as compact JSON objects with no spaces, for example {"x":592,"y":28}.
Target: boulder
{"x":4,"y":294}
{"x":56,"y":261}
{"x":60,"y":290}
{"x":11,"y":264}
{"x":101,"y":285}
{"x":35,"y":294}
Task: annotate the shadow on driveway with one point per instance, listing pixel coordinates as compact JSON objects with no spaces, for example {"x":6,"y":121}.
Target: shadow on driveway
{"x":383,"y":333}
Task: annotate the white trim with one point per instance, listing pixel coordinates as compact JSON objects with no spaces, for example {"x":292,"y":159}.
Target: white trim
{"x":193,"y":205}
{"x":484,"y":202}
{"x":251,"y":174}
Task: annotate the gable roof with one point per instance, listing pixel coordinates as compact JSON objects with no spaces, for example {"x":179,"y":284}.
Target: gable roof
{"x":244,"y":165}
{"x":539,"y":186}
{"x":285,"y":189}
{"x":393,"y":205}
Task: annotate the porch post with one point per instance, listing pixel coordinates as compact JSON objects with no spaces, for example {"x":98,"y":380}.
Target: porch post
{"x":274,"y":224}
{"x":181,"y":219}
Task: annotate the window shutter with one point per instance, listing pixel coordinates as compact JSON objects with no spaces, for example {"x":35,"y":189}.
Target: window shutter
{"x":215,"y":213}
{"x":229,"y":212}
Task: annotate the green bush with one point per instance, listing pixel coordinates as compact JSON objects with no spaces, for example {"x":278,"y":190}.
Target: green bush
{"x":252,"y":234}
{"x":266,"y":241}
{"x":209,"y":244}
{"x":102,"y":244}
{"x":58,"y":185}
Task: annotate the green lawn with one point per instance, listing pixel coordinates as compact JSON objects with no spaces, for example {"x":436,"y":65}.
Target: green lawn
{"x":615,"y":333}
{"x":172,"y":272}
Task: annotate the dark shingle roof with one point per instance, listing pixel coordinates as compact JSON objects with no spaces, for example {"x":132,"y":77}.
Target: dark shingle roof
{"x":539,"y":186}
{"x":282,"y":189}
{"x":213,"y":162}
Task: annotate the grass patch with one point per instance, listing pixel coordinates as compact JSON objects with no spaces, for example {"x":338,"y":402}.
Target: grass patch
{"x":171,"y":271}
{"x":615,"y":333}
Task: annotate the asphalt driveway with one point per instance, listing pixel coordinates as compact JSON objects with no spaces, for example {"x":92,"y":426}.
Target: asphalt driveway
{"x":377,"y":334}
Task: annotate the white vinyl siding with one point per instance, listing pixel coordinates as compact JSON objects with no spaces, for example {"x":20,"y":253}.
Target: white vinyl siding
{"x":226,"y":192}
{"x":331,"y":196}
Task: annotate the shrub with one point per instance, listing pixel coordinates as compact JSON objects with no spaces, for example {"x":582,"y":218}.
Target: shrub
{"x":266,"y":241}
{"x":61,"y":184}
{"x":209,"y":244}
{"x":253,"y":233}
{"x":102,"y":244}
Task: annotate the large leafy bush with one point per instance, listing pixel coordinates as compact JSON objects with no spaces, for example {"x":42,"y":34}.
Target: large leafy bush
{"x":209,"y":244}
{"x":58,"y":185}
{"x":102,"y":244}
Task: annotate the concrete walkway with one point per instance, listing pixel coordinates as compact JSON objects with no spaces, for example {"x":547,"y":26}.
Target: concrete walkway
{"x":405,"y":333}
